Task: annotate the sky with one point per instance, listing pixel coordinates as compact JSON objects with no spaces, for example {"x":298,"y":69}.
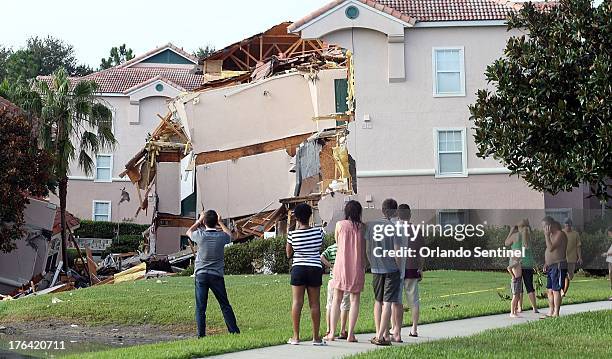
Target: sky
{"x":93,"y":27}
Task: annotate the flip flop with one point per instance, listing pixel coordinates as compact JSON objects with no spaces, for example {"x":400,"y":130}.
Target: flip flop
{"x":379,"y":342}
{"x":343,"y":335}
{"x":352,"y":340}
{"x":292,"y":341}
{"x":396,"y":341}
{"x":415,"y":335}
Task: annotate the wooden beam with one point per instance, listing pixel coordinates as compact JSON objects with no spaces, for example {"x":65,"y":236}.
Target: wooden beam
{"x":239,"y":62}
{"x":287,"y":143}
{"x":173,"y":156}
{"x":261,"y":48}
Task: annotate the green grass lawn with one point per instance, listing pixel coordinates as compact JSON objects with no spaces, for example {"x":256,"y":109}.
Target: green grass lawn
{"x":262,"y":304}
{"x":584,"y":335}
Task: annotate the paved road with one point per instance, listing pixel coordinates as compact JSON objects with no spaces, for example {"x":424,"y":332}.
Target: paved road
{"x":427,"y":332}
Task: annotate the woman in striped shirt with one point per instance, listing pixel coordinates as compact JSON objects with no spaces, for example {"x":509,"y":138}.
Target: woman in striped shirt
{"x":304,"y":246}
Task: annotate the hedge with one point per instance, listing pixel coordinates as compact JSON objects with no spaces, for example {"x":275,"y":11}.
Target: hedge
{"x":253,"y":256}
{"x":99,"y":229}
{"x":123,"y":244}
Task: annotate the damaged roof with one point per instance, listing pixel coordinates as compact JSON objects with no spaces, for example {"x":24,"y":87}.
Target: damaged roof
{"x":71,"y":222}
{"x":8,"y":105}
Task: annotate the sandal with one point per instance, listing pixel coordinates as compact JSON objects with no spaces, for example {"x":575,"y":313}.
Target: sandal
{"x":379,"y":342}
{"x":343,"y":335}
{"x":352,"y":340}
{"x":396,"y":341}
{"x":415,"y":335}
{"x":292,"y":341}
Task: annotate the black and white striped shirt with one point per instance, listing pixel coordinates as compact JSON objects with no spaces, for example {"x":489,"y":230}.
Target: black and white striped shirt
{"x":306,"y":245}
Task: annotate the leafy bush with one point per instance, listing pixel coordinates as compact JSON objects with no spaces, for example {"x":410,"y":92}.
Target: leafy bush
{"x":99,"y":229}
{"x":245,"y":258}
{"x":124,"y":244}
{"x":187,"y":271}
{"x":251,"y":257}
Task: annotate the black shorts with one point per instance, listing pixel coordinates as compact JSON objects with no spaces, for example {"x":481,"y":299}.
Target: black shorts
{"x":308,"y":276}
{"x":528,"y":279}
{"x":386,"y":287}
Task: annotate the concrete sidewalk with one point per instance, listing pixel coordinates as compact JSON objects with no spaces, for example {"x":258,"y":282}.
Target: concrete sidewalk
{"x":427,"y":332}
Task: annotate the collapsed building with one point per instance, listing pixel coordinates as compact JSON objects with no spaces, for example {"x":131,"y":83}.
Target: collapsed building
{"x":251,"y":146}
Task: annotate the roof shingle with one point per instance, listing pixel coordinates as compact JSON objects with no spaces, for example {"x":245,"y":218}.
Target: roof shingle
{"x":412,"y":11}
{"x":119,"y":80}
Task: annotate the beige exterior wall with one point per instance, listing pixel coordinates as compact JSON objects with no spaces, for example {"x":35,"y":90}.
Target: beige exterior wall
{"x":82,"y":194}
{"x":395,"y":149}
{"x":247,"y":185}
{"x":130,"y":129}
{"x":263,"y":111}
{"x":168,"y":187}
{"x":249,"y":114}
{"x":168,"y":239}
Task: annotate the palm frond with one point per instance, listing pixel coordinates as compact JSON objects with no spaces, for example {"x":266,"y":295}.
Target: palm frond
{"x":85,"y":162}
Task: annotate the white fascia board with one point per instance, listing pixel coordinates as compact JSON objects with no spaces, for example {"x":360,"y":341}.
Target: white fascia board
{"x":460,"y":23}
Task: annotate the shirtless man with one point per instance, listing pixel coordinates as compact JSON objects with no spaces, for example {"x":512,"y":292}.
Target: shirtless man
{"x":555,"y":263}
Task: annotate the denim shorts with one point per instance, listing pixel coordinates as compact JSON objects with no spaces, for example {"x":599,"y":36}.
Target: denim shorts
{"x":555,"y":277}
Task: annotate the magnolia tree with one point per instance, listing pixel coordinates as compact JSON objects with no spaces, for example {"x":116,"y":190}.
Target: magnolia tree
{"x":24,"y":172}
{"x":548,"y":117}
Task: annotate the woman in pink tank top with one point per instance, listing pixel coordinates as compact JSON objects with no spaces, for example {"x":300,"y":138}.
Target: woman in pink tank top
{"x":349,"y":269}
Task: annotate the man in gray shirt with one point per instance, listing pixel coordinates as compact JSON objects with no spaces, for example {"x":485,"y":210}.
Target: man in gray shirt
{"x":385,"y":270}
{"x":209,"y":268}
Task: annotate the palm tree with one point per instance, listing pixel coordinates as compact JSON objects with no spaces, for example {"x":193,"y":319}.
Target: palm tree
{"x":74,"y":125}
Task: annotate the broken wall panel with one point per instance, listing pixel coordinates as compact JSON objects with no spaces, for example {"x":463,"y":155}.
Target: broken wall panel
{"x":245,"y":186}
{"x":253,"y":113}
{"x":168,"y":187}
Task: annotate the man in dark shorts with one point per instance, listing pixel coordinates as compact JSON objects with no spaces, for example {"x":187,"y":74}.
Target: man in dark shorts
{"x":209,"y":268}
{"x":385,"y":270}
{"x":555,"y":263}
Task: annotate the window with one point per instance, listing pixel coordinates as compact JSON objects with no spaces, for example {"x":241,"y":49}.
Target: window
{"x":448,"y":72}
{"x":450,"y":153}
{"x":108,"y":122}
{"x":559,"y":214}
{"x":452,"y":217}
{"x":104,"y":168}
{"x":101,"y":211}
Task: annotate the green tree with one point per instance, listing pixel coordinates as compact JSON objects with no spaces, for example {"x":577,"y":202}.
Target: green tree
{"x":204,"y":52}
{"x":50,"y":54}
{"x":5,"y":53}
{"x":118,"y":55}
{"x":42,"y":56}
{"x":72,"y":129}
{"x":548,"y":117}
{"x":24,"y":172}
{"x":21,"y":65}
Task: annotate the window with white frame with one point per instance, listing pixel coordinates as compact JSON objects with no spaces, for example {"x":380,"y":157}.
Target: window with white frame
{"x":448,"y":72}
{"x":104,"y":168}
{"x":101,"y":211}
{"x":450,"y":152}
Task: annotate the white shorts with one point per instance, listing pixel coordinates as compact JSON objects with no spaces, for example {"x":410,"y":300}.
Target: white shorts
{"x":346,"y":299}
{"x":411,"y":286}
